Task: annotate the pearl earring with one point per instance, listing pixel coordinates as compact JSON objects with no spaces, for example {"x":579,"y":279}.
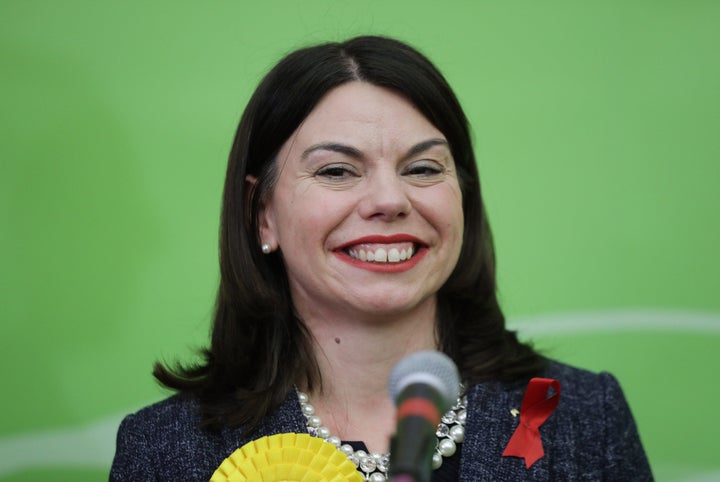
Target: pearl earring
{"x":265,"y":248}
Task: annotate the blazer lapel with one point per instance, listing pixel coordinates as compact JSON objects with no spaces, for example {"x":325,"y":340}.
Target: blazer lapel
{"x":287,"y":418}
{"x":490,"y":424}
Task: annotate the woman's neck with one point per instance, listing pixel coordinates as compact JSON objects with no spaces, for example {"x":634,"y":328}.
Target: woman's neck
{"x":355,"y":358}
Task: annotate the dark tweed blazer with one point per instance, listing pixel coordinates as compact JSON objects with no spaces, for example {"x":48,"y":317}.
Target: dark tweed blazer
{"x":590,"y":436}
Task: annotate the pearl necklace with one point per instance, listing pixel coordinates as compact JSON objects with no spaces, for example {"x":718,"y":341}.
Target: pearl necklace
{"x":374,"y":466}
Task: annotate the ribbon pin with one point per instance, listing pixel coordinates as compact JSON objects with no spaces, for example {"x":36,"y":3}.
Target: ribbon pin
{"x":535,"y":409}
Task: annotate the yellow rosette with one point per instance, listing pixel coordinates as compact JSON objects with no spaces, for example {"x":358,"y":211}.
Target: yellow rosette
{"x":287,"y":457}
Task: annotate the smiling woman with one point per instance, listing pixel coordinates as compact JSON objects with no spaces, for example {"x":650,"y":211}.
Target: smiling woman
{"x":365,"y":174}
{"x":353,"y":234}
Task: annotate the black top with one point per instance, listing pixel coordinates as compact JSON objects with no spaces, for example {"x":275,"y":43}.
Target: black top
{"x":448,"y":472}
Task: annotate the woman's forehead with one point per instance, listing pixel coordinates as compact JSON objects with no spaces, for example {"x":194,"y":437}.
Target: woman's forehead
{"x":362,"y":114}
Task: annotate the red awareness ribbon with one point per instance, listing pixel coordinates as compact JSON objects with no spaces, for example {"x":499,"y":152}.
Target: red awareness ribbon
{"x":535,"y":409}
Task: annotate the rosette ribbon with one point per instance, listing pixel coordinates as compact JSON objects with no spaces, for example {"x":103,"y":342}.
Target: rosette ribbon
{"x":536,"y":407}
{"x":287,"y":457}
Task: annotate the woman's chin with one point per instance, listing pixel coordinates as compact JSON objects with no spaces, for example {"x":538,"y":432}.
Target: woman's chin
{"x":386,"y":305}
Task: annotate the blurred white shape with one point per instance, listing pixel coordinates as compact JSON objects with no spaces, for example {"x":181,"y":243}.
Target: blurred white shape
{"x":617,"y":321}
{"x":91,"y":445}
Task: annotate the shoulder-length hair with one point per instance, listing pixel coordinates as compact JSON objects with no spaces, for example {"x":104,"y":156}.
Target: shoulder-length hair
{"x":259,"y":347}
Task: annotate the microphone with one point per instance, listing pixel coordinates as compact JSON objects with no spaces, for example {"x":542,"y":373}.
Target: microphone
{"x":423,"y":386}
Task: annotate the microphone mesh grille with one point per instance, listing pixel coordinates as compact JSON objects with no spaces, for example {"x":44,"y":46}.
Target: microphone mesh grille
{"x":433,"y":367}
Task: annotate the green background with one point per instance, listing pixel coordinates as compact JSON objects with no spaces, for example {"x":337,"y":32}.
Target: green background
{"x":597,"y":129}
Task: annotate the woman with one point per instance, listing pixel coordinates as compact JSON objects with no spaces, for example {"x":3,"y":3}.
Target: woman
{"x":353,"y":233}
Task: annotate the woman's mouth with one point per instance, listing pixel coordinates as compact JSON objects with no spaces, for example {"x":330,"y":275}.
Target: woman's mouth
{"x":395,"y":253}
{"x":385,"y":253}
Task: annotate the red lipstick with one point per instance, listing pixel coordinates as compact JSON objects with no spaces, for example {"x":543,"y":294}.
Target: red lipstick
{"x":420,"y":250}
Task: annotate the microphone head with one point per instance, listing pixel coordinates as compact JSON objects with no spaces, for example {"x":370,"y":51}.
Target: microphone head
{"x":428,"y":367}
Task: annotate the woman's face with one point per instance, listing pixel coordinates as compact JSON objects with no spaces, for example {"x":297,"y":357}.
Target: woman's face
{"x":367,"y":208}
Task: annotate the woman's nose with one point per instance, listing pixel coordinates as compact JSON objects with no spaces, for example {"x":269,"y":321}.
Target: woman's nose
{"x":385,"y":197}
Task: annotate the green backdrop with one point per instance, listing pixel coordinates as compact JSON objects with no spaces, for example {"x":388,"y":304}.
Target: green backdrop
{"x":597,"y":133}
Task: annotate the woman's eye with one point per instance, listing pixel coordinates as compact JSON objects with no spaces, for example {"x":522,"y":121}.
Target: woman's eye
{"x":424,"y":169}
{"x":336,"y":171}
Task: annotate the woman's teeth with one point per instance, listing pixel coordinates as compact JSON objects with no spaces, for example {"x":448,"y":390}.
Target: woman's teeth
{"x":381,"y":255}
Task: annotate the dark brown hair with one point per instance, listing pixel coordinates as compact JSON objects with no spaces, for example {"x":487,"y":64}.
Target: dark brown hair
{"x":259,"y":348}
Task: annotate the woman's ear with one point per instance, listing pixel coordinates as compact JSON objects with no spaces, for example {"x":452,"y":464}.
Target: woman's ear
{"x":267,"y":231}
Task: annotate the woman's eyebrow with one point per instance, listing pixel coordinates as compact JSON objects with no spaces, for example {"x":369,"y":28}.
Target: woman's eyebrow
{"x":333,"y":147}
{"x":424,"y":146}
